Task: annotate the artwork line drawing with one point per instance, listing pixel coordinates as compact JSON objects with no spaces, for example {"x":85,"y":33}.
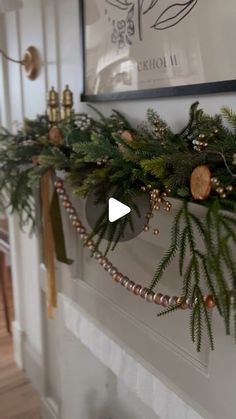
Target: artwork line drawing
{"x":167,"y":18}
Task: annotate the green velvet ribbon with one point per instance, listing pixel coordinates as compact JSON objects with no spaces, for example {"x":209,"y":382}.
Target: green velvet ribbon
{"x":58,"y":233}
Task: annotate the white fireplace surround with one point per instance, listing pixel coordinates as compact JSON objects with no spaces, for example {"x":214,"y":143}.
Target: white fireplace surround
{"x":153,"y":393}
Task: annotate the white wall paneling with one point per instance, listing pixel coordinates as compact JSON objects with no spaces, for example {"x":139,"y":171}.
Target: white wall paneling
{"x":130,"y":384}
{"x":160,"y":345}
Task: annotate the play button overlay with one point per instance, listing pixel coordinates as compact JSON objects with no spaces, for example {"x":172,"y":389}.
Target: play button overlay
{"x":117,"y":210}
{"x":111,"y":214}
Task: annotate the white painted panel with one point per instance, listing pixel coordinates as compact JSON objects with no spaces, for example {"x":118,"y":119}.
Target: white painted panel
{"x":31,"y":32}
{"x":30,"y":283}
{"x":134,"y":386}
{"x":49,"y":12}
{"x":4,"y":88}
{"x":14,"y":70}
{"x":70,"y":46}
{"x":51,"y":355}
{"x":90,"y":390}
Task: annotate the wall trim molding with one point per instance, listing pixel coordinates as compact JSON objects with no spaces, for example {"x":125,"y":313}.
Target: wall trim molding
{"x":89,"y":293}
{"x":33,"y":365}
{"x":17,"y":334}
{"x":27,"y":358}
{"x":49,"y":409}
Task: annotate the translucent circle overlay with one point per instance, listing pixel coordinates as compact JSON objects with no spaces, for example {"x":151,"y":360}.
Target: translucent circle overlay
{"x":124,"y":229}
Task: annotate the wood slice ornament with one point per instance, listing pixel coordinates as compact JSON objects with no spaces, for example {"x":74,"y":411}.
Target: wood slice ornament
{"x":200,"y":182}
{"x":128,"y":137}
{"x":55,"y":136}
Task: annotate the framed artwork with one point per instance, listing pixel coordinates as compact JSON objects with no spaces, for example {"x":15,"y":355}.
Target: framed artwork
{"x":154,"y":48}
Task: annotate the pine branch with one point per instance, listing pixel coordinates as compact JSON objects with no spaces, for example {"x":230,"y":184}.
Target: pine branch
{"x":170,"y":254}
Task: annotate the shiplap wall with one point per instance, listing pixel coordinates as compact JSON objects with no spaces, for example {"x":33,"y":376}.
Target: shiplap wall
{"x":53,"y":27}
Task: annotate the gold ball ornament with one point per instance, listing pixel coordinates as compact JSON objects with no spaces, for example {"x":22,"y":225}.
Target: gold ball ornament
{"x":200,"y":182}
{"x":55,"y":136}
{"x":209,"y":301}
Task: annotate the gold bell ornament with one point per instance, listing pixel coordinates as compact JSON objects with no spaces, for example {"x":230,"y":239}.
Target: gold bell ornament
{"x":67,"y":103}
{"x":53,"y":106}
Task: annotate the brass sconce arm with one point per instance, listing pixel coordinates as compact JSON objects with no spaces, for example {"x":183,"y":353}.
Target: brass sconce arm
{"x":31,"y":62}
{"x":10,"y":59}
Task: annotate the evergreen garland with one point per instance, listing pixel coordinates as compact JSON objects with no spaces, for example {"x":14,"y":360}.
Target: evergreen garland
{"x":108,"y":155}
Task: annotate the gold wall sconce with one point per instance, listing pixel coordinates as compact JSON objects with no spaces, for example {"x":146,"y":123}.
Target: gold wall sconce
{"x":31,"y":62}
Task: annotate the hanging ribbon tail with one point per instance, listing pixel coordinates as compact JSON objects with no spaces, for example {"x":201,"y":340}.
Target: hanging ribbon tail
{"x":58,"y":233}
{"x":48,"y":241}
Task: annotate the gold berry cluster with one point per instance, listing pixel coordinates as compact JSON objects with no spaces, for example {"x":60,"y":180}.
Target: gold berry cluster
{"x":200,"y":144}
{"x":159,"y":131}
{"x":157,"y":200}
{"x":220,"y":189}
{"x":102,"y":161}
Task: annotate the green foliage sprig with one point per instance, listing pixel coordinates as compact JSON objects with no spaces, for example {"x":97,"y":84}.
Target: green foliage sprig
{"x":97,"y":156}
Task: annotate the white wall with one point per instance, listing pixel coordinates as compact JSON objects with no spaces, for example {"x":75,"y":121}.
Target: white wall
{"x":53,"y":27}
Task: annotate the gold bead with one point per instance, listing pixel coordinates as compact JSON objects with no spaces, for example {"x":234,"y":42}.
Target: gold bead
{"x":117,"y":277}
{"x":89,"y":243}
{"x":157,"y":298}
{"x":66,"y":204}
{"x":156,"y":207}
{"x":229,"y":188}
{"x":58,"y":184}
{"x":209,"y":301}
{"x":223,"y":195}
{"x":181,"y":302}
{"x":136,"y":289}
{"x":220,"y":190}
{"x":156,"y":232}
{"x":146,"y":228}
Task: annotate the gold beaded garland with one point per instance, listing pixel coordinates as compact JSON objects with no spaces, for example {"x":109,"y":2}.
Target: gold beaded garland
{"x":137,"y":289}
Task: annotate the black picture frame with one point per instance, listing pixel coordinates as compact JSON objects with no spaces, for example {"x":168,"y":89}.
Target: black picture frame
{"x":225,"y":86}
